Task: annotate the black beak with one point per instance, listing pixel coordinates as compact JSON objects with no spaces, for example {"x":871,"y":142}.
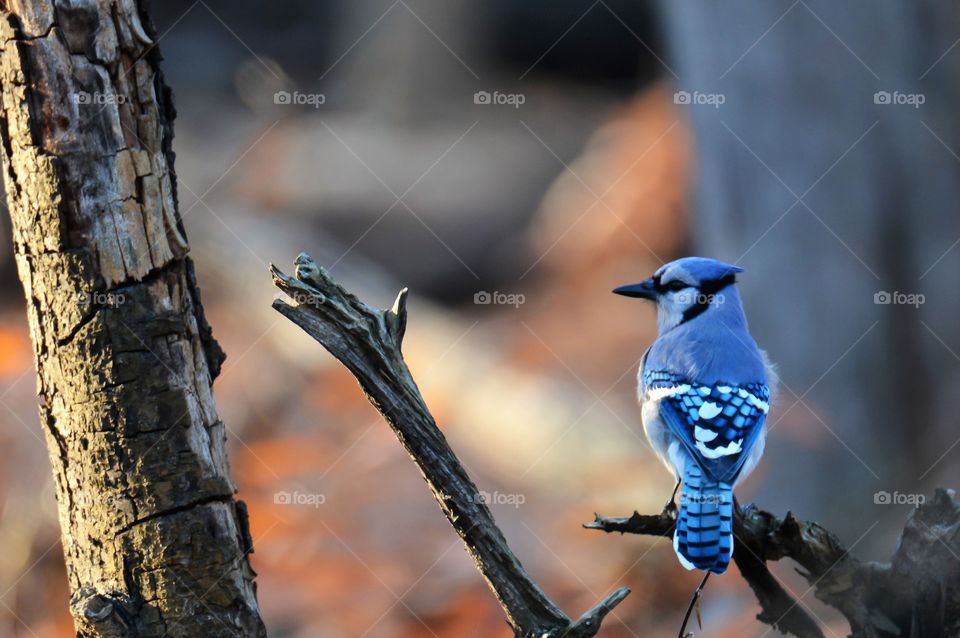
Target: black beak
{"x":643,"y":290}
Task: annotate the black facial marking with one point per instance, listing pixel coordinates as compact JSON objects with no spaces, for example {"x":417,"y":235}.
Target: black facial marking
{"x":671,"y":286}
{"x":704,"y":292}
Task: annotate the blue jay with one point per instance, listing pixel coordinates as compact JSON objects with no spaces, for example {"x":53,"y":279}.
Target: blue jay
{"x":704,"y":398}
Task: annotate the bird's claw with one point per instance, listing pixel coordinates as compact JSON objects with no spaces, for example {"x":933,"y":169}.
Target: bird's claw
{"x":670,"y":509}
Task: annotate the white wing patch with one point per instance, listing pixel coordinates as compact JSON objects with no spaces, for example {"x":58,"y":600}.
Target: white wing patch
{"x":703,"y":434}
{"x":709,"y":410}
{"x":723,"y":450}
{"x":661,"y":393}
{"x":763,"y":406}
{"x":716,"y":421}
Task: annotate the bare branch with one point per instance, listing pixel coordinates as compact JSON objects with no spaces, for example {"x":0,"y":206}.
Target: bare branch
{"x":916,"y":594}
{"x":368,"y":342}
{"x":778,"y":608}
{"x":648,"y":524}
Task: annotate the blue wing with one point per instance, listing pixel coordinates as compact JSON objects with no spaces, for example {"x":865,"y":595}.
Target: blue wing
{"x":718,"y":424}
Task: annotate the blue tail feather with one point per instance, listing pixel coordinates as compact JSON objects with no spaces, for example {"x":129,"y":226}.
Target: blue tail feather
{"x":704,"y":535}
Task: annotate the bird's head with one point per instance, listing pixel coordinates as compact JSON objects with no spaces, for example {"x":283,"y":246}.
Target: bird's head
{"x":684,"y":289}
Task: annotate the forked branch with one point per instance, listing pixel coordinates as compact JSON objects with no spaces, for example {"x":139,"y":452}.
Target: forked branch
{"x":368,"y":342}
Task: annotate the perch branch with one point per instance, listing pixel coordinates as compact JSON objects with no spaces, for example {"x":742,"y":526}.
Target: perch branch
{"x":368,"y":342}
{"x":916,"y":594}
{"x":778,"y":608}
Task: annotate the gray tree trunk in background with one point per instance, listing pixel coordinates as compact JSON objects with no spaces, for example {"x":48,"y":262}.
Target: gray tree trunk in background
{"x":155,"y":543}
{"x":880,"y":185}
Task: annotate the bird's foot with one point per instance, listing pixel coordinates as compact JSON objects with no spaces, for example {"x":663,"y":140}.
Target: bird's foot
{"x":670,"y":509}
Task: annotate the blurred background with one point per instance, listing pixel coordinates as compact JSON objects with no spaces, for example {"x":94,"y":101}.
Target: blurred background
{"x":511,"y":161}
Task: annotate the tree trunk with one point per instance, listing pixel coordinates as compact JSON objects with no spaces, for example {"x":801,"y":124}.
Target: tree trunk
{"x":155,"y":543}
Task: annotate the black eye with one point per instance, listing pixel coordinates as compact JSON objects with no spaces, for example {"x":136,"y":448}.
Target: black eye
{"x":676,"y":284}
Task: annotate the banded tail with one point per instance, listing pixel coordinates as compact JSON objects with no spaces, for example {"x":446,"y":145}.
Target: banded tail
{"x":704,"y":535}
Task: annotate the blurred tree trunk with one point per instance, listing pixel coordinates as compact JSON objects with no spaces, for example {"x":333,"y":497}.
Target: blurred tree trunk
{"x":155,"y":543}
{"x":879,"y":184}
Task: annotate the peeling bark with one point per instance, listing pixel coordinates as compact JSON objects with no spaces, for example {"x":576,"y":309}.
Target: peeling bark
{"x":155,"y":543}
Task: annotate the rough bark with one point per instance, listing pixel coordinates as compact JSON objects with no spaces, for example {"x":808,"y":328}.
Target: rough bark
{"x":367,"y":341}
{"x":916,"y":594}
{"x":155,"y":543}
